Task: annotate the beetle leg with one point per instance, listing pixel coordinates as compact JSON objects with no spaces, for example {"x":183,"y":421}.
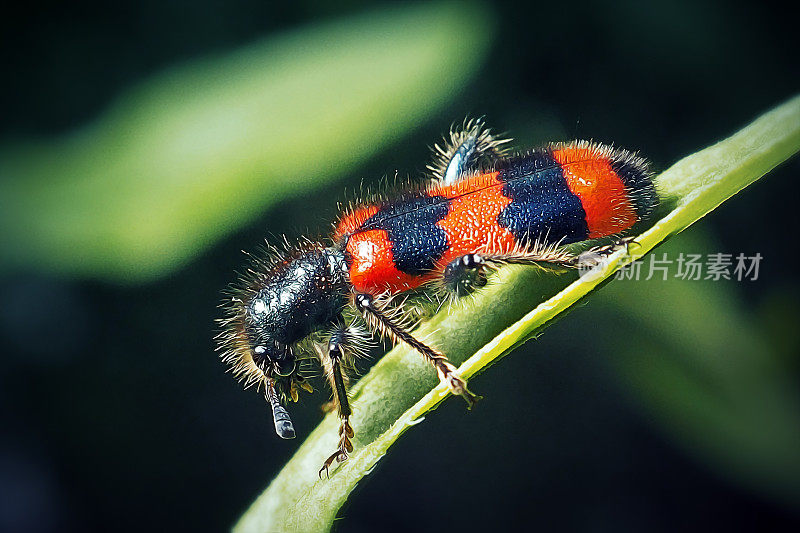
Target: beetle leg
{"x":333,"y":364}
{"x":386,"y":325}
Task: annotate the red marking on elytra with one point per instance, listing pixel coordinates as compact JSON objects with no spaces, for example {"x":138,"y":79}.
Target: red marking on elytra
{"x":471,"y":224}
{"x":600,"y":190}
{"x":372,"y":268}
{"x":353,"y":220}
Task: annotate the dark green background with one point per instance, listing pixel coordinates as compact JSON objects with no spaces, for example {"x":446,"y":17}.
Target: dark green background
{"x":116,"y":413}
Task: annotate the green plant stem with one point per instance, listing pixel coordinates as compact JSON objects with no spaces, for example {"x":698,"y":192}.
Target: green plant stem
{"x":400,"y":389}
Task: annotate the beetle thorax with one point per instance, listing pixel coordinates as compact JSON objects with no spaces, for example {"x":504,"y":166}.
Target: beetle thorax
{"x":301,"y":295}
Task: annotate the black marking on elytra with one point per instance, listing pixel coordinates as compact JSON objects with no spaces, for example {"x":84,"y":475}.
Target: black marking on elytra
{"x":542,"y":206}
{"x":639,"y":186}
{"x":417,"y":241}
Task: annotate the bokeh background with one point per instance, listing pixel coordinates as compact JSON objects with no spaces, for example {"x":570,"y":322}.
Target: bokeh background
{"x":144,"y":144}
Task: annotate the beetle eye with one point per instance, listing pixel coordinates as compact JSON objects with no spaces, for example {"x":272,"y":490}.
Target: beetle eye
{"x":260,"y":354}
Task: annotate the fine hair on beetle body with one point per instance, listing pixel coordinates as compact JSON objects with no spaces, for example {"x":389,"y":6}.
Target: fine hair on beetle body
{"x":479,"y":209}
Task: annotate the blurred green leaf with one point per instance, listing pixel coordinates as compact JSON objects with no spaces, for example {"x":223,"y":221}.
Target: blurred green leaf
{"x":697,"y":361}
{"x":203,"y":148}
{"x":476,"y":332}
